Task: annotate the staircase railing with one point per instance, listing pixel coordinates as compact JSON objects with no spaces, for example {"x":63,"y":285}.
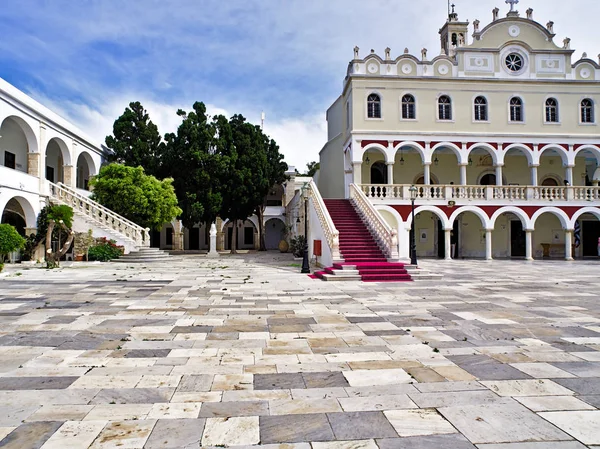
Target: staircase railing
{"x":331,"y":233}
{"x":100,"y":214}
{"x":383,"y":232}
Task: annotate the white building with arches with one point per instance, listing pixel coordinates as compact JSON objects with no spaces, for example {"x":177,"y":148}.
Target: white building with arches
{"x":499,"y":133}
{"x":44,"y":158}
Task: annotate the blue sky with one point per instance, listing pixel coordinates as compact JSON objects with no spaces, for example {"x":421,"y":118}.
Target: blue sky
{"x":87,"y":59}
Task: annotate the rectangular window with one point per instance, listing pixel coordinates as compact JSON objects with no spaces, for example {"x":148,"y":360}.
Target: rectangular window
{"x":480,"y":113}
{"x":50,"y":173}
{"x":515,"y":114}
{"x":248,"y":236}
{"x":10,"y":160}
{"x":444,"y":112}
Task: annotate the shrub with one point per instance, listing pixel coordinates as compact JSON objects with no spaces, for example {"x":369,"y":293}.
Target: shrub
{"x":105,"y":250}
{"x":1,"y":267}
{"x":10,"y":240}
{"x":297,"y":245}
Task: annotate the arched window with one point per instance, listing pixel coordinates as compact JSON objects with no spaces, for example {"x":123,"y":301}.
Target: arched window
{"x":481,"y":112}
{"x":551,"y":110}
{"x":516,"y":109}
{"x":444,"y":108}
{"x":587,"y":111}
{"x":374,"y":106}
{"x":408,"y":107}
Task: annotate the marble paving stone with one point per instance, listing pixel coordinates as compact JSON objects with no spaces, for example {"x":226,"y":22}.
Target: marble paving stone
{"x":278,"y":381}
{"x":325,"y":380}
{"x":544,"y":445}
{"x":75,"y":435}
{"x":12,"y":416}
{"x":501,"y":423}
{"x":356,"y":444}
{"x":118,"y":412}
{"x":30,"y":435}
{"x":542,"y":370}
{"x":373,"y":403}
{"x":553,"y":403}
{"x":451,"y":398}
{"x":295,"y":428}
{"x":580,"y":369}
{"x":176,"y":434}
{"x":5,"y":431}
{"x":587,"y":386}
{"x":232,"y":382}
{"x":439,"y":387}
{"x":133,"y":395}
{"x":448,"y":441}
{"x":174,"y":411}
{"x":360,"y":425}
{"x":593,"y":400}
{"x":360,"y":378}
{"x":537,"y":387}
{"x":233,"y":409}
{"x":583,"y":425}
{"x":36,"y":383}
{"x":199,"y":382}
{"x":231,"y":431}
{"x":124,"y":435}
{"x":303,"y":406}
{"x":60,"y":413}
{"x":418,"y":422}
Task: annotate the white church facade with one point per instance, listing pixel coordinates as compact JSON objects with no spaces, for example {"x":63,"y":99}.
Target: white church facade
{"x":499,"y":133}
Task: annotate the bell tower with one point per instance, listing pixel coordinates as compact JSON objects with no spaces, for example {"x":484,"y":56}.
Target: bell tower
{"x":454,"y":33}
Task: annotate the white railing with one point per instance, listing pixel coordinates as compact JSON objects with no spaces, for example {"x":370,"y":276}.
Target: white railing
{"x":331,"y":233}
{"x":483,"y":193}
{"x":383,"y":232}
{"x":99,"y":214}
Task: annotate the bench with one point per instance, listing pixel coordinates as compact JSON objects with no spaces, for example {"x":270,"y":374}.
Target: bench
{"x":554,"y":250}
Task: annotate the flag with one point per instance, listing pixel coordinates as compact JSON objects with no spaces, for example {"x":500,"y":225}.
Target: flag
{"x":577,"y":234}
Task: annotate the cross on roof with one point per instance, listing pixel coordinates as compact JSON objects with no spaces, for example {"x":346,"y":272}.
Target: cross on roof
{"x":512,"y":4}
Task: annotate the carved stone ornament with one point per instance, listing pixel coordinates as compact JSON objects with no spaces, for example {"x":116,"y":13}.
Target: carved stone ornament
{"x":476,"y":24}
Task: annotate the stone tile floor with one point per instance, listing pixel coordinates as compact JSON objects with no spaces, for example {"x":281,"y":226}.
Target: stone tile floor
{"x":244,"y":351}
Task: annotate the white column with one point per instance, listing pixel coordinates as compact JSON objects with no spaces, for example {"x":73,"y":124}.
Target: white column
{"x":528,"y":244}
{"x":357,"y":166}
{"x":427,"y":173}
{"x":447,"y":244}
{"x":499,"y":175}
{"x":488,"y":244}
{"x":463,"y":174}
{"x":390,"y":172}
{"x":569,"y":174}
{"x":212,"y":250}
{"x":568,"y":244}
{"x":534,"y":175}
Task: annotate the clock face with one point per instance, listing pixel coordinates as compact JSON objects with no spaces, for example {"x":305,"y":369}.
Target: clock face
{"x":373,"y":68}
{"x":514,"y":62}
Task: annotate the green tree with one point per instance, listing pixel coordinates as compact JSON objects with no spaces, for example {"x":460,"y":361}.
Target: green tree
{"x":312,"y":168}
{"x":139,"y":197}
{"x":10,"y":241}
{"x":136,"y":140}
{"x":194,"y":158}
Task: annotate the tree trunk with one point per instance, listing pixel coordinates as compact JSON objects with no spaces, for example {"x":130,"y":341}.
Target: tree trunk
{"x":233,"y":242}
{"x":49,"y":255}
{"x":261,"y":228}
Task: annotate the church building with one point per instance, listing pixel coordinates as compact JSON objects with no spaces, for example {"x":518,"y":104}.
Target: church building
{"x":498,"y":133}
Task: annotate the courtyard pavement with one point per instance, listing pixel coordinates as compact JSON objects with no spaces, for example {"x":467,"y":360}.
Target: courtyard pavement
{"x":245,"y":351}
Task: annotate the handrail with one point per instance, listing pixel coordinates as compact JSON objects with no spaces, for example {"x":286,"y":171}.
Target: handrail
{"x":100,"y":214}
{"x":387,"y":236}
{"x":478,"y":192}
{"x":331,"y":233}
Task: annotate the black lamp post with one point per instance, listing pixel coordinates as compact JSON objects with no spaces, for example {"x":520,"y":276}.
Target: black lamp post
{"x":413,"y":244}
{"x":305,"y":265}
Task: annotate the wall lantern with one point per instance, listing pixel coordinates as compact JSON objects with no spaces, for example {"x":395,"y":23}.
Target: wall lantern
{"x":436,"y":161}
{"x":470,"y":161}
{"x":367,"y":160}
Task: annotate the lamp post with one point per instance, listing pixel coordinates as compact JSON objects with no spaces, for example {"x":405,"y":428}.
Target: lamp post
{"x":413,"y":244}
{"x":305,"y":265}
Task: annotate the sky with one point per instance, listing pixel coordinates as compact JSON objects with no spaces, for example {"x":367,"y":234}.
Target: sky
{"x":87,"y":59}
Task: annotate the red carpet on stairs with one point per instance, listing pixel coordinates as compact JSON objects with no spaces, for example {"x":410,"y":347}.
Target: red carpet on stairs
{"x":359,"y":248}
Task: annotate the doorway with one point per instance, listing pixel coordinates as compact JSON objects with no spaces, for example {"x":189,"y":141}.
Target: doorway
{"x":441,"y":240}
{"x":517,"y":239}
{"x":379,"y":173}
{"x":194,"y":234}
{"x":590,"y":233}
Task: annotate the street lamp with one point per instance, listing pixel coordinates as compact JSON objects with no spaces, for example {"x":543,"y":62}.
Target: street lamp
{"x":413,"y":245}
{"x":305,"y":265}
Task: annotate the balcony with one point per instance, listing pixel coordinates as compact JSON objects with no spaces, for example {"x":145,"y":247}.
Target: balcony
{"x":490,"y":195}
{"x":18,"y":180}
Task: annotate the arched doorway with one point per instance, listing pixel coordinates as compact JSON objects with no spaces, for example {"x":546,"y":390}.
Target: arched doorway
{"x":379,"y":173}
{"x":274,"y":233}
{"x":489,"y":179}
{"x":13,"y":145}
{"x":85,"y":170}
{"x":14,"y":215}
{"x":54,"y":162}
{"x":550,"y":181}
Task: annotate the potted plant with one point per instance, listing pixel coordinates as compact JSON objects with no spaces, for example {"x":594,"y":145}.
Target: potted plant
{"x":83,"y":242}
{"x":284,"y":246}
